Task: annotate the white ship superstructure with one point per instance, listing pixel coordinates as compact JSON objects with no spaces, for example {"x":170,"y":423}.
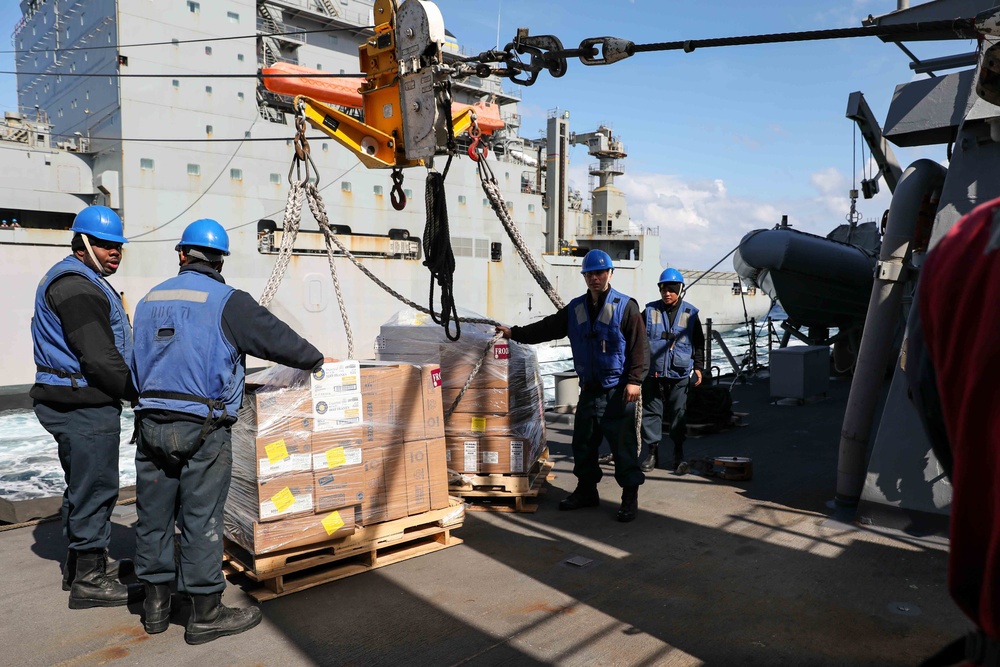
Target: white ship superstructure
{"x":194,"y":141}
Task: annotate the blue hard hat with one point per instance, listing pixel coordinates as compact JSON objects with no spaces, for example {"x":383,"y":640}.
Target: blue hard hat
{"x":670,"y":276}
{"x":101,"y":223}
{"x":597,"y":260}
{"x":205,"y":233}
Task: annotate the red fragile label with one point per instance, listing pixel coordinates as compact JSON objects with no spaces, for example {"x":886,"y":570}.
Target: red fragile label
{"x":436,"y":376}
{"x":501,"y":351}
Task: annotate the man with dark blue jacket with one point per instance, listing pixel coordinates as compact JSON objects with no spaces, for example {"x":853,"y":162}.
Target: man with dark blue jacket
{"x":82,"y":340}
{"x":676,"y":350}
{"x":192,"y":333}
{"x":611,"y":358}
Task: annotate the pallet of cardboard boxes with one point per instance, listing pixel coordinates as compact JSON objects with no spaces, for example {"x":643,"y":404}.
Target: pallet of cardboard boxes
{"x":337,"y":472}
{"x":495,"y":430}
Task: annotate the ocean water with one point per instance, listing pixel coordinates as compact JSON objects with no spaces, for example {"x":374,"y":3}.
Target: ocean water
{"x":29,"y":458}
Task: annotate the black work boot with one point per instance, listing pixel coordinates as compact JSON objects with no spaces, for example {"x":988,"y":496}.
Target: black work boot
{"x":93,"y":586}
{"x":649,"y":464}
{"x":630,"y":504}
{"x":210,"y":619}
{"x":110,"y":567}
{"x":679,"y":457}
{"x":156,"y":608}
{"x":585,"y":495}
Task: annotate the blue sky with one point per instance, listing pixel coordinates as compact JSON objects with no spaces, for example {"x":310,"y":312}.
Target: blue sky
{"x":721,"y":140}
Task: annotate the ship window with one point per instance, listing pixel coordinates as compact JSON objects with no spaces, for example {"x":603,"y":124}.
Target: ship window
{"x":233,"y":17}
{"x":239,"y":57}
{"x":482,"y":248}
{"x":345,"y":186}
{"x":377,"y":189}
{"x":319,"y":66}
{"x":408,"y":193}
{"x":175,"y":41}
{"x":240,"y":96}
{"x":194,"y":170}
{"x":461,"y":199}
{"x":146,"y":164}
{"x":496,"y":252}
{"x":326,"y":147}
{"x":236,"y":174}
{"x":208,"y":130}
{"x":208,"y":50}
{"x":276,"y":178}
{"x":510,"y":205}
{"x":246,"y":135}
{"x":531,"y":208}
{"x":194,"y":7}
{"x":486,"y":202}
{"x":461,"y":246}
{"x":176,"y":83}
{"x":208,"y":89}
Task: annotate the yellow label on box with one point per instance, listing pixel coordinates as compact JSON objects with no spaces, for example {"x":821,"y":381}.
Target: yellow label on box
{"x":332,"y":523}
{"x":349,"y":380}
{"x":283,"y":499}
{"x":335,"y":457}
{"x":352,"y":413}
{"x":479,"y":424}
{"x":276,"y":451}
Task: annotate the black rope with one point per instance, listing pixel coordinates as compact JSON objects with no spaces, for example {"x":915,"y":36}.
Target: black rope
{"x":438,"y":255}
{"x":963,"y":28}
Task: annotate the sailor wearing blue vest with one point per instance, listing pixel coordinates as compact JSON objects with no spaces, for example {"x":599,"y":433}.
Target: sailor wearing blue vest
{"x":192,"y":333}
{"x":611,"y":358}
{"x":676,"y":349}
{"x":82,"y":341}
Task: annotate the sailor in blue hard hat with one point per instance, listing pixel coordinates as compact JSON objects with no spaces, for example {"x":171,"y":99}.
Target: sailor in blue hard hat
{"x":610,"y":355}
{"x":676,"y":352}
{"x":82,"y":342}
{"x":192,"y":335}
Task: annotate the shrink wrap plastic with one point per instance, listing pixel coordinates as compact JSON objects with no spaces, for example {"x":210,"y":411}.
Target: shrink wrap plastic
{"x":498,"y":425}
{"x":318,"y":455}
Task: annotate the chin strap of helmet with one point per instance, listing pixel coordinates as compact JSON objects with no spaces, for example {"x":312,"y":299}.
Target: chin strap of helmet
{"x":93,"y":257}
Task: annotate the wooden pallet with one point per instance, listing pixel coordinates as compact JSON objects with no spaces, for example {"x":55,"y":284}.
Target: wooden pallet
{"x":369,"y":548}
{"x":504,"y":492}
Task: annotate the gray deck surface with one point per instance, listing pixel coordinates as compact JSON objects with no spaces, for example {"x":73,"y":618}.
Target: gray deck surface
{"x":712,"y":572}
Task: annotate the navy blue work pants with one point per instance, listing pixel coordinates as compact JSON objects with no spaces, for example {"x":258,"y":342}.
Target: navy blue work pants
{"x":88,"y":439}
{"x":603,"y":413}
{"x":664,"y":400}
{"x":191,"y":494}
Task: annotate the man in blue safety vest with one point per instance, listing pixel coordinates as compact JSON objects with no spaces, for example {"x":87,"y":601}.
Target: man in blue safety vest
{"x":192,"y":333}
{"x":611,"y":357}
{"x":82,"y":341}
{"x":676,"y":348}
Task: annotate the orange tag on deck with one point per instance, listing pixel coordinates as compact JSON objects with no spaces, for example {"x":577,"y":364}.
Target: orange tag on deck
{"x":276,"y":451}
{"x":479,"y":424}
{"x":335,"y":457}
{"x":283,"y":499}
{"x":332,"y":523}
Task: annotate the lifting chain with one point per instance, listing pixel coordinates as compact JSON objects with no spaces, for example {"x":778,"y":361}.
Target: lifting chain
{"x":302,"y":162}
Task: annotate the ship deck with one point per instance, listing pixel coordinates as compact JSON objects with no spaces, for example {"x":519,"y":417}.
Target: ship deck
{"x":711,"y":573}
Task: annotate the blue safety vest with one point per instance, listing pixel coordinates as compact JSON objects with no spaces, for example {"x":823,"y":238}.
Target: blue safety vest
{"x":598,"y":346}
{"x":55,"y":363}
{"x":182,"y":361}
{"x":670,"y":359}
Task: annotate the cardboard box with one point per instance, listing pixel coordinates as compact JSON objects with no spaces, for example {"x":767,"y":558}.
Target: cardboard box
{"x":462,"y":454}
{"x":334,"y":448}
{"x":373,"y":505}
{"x":283,"y":454}
{"x":433,"y":402}
{"x":341,"y":487}
{"x":480,"y":424}
{"x":284,"y":411}
{"x":285,"y":496}
{"x":479,"y":400}
{"x":389,"y":395}
{"x":394,"y":469}
{"x":262,"y":538}
{"x":454,"y":376}
{"x":490,"y":455}
{"x":437,"y":473}
{"x":462,"y":352}
{"x":415,"y":467}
